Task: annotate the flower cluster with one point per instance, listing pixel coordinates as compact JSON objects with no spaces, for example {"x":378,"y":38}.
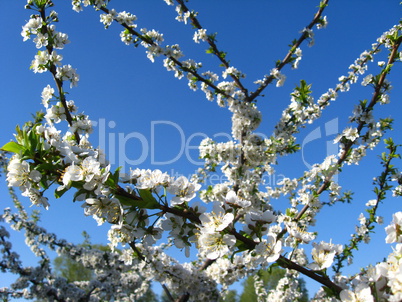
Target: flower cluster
{"x":21,"y":174}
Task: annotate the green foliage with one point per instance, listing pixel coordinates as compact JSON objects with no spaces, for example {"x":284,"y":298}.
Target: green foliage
{"x":71,"y":270}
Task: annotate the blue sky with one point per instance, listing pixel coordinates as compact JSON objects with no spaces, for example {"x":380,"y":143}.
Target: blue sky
{"x":148,"y":117}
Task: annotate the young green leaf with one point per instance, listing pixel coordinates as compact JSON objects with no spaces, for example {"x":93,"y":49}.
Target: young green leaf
{"x":12,"y":147}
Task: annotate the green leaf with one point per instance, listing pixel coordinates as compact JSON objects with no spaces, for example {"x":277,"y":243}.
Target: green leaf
{"x":116,"y":174}
{"x":148,"y":200}
{"x":110,"y":182}
{"x":40,"y":3}
{"x":12,"y":147}
{"x":209,"y":50}
{"x":125,"y":200}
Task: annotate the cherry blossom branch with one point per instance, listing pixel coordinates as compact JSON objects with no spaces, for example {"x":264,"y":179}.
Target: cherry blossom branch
{"x":218,"y":53}
{"x":150,"y":42}
{"x":368,"y":224}
{"x":269,"y":79}
{"x":59,"y":83}
{"x":287,"y":58}
{"x":287,"y":263}
{"x":291,"y":124}
{"x":361,"y":124}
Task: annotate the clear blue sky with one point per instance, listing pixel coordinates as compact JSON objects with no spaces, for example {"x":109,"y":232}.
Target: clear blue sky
{"x":135,"y":98}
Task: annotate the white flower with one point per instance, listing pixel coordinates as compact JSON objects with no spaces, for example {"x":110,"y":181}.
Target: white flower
{"x":55,"y":58}
{"x":299,"y":234}
{"x":394,"y":230}
{"x":39,"y":64}
{"x":126,"y":18}
{"x":258,"y":218}
{"x":200,"y":34}
{"x":55,"y":114}
{"x":127,"y":256}
{"x":20,"y":174}
{"x":362,"y":219}
{"x":59,"y":39}
{"x":67,"y":73}
{"x":107,"y":19}
{"x":88,"y":171}
{"x":298,"y":54}
{"x":351,"y":133}
{"x":232,"y":198}
{"x":323,"y":24}
{"x":103,"y":209}
{"x":371,"y":203}
{"x":310,"y":36}
{"x":231,"y":71}
{"x":123,"y":233}
{"x":151,"y":236}
{"x":217,"y":220}
{"x":384,"y":99}
{"x":269,"y":249}
{"x":183,"y":189}
{"x":152,"y":179}
{"x":81,"y":125}
{"x":214,"y":245}
{"x":379,"y":219}
{"x":279,"y":76}
{"x":47,"y":94}
{"x":171,"y":223}
{"x":323,"y":255}
{"x":31,"y":27}
{"x":361,"y":293}
{"x":36,"y":198}
{"x":368,"y":80}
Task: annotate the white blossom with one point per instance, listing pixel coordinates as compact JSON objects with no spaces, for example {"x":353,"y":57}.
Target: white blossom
{"x":217,"y":220}
{"x":394,"y":230}
{"x":215,"y":245}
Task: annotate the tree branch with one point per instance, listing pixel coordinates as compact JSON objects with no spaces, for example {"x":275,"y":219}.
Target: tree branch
{"x":214,"y":47}
{"x":288,"y":56}
{"x":59,"y":83}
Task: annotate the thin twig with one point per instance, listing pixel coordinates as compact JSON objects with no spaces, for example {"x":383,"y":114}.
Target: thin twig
{"x":288,"y":56}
